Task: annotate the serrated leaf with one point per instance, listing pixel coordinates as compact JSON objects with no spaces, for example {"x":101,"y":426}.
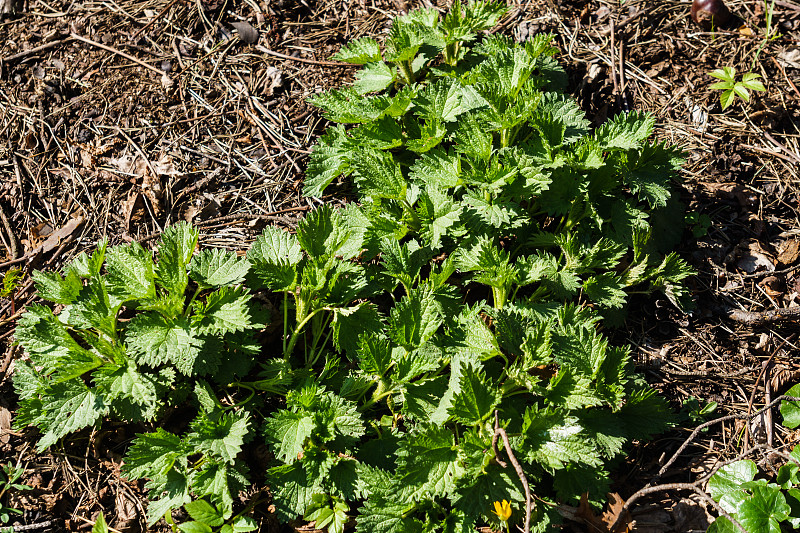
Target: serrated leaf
{"x":155,"y":341}
{"x":359,"y":51}
{"x":374,"y":354}
{"x":225,"y":311}
{"x":415,"y":318}
{"x":374,"y":77}
{"x":323,"y":234}
{"x":436,"y":169}
{"x":347,"y":106}
{"x":350,"y":324}
{"x":428,"y":462}
{"x":727,"y":98}
{"x":293,"y":487}
{"x":606,"y":290}
{"x":379,"y":515}
{"x":221,"y":437}
{"x":329,"y":159}
{"x":70,"y":406}
{"x":130,"y":272}
{"x":52,"y":286}
{"x":378,"y":175}
{"x":287,"y":431}
{"x":177,"y":246}
{"x":218,"y":268}
{"x":476,"y":398}
{"x":152,"y":455}
{"x":204,"y":512}
{"x":625,"y":131}
{"x":555,"y":439}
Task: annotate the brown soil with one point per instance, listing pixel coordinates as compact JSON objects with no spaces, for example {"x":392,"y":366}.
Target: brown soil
{"x":119,"y":118}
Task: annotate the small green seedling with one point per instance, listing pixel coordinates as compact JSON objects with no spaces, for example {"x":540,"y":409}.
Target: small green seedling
{"x":9,"y":474}
{"x":731,"y":88}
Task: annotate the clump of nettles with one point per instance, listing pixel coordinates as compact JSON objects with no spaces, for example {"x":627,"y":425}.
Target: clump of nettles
{"x":493,"y":232}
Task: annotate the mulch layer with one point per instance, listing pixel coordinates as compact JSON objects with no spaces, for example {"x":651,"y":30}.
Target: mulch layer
{"x":121,"y":117}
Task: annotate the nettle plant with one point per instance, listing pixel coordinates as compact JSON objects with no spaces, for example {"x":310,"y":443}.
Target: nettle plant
{"x":494,"y":234}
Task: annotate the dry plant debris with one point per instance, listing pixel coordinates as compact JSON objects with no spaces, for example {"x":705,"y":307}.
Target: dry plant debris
{"x":215,"y":130}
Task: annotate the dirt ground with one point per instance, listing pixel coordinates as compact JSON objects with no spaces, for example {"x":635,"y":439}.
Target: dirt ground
{"x":120,"y":117}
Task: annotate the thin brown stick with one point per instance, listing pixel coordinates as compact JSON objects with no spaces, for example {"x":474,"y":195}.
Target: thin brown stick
{"x":269,"y":52}
{"x":704,"y":425}
{"x":32,"y":51}
{"x":675,"y":486}
{"x":153,"y":20}
{"x":759,"y":318}
{"x":755,"y":387}
{"x":12,"y":238}
{"x":500,"y":432}
{"x":118,"y":52}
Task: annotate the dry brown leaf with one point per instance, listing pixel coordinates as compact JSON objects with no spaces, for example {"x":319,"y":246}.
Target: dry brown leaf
{"x":615,"y":510}
{"x":5,"y":425}
{"x":132,"y":209}
{"x":65,"y":232}
{"x":789,"y":252}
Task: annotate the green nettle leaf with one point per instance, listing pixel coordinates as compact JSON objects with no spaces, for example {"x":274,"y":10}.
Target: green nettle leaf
{"x":92,"y":309}
{"x":554,"y":439}
{"x":224,"y":311}
{"x":152,"y":455}
{"x":53,"y":287}
{"x":218,"y":268}
{"x":287,"y":431}
{"x":71,"y":406}
{"x":174,"y":254}
{"x":427,"y":461}
{"x":378,"y":175}
{"x":359,"y":52}
{"x":415,"y":318}
{"x":374,"y":77}
{"x":204,"y":512}
{"x":130,"y":272}
{"x":476,"y":399}
{"x":221,"y":437}
{"x":625,"y":131}
{"x":374,"y":354}
{"x":155,"y":340}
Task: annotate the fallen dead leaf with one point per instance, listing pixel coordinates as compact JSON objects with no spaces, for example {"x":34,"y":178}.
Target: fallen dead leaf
{"x":66,"y":232}
{"x":750,"y":257}
{"x":789,"y":252}
{"x":5,"y":425}
{"x":789,"y":57}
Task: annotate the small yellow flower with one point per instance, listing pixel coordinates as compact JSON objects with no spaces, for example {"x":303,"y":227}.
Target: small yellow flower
{"x":502,"y":510}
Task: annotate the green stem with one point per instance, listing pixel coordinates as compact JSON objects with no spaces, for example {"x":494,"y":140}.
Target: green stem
{"x":416,"y":223}
{"x":407,"y":70}
{"x":296,"y":334}
{"x":317,"y":337}
{"x":191,"y":301}
{"x":285,"y":318}
{"x":376,"y":398}
{"x":246,"y":400}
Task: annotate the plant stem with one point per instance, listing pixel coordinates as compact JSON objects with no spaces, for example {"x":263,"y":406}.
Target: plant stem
{"x":407,"y":70}
{"x":296,"y":335}
{"x":285,"y":318}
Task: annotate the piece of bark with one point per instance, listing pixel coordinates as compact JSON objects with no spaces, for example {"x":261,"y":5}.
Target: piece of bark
{"x":759,"y":318}
{"x":10,"y":7}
